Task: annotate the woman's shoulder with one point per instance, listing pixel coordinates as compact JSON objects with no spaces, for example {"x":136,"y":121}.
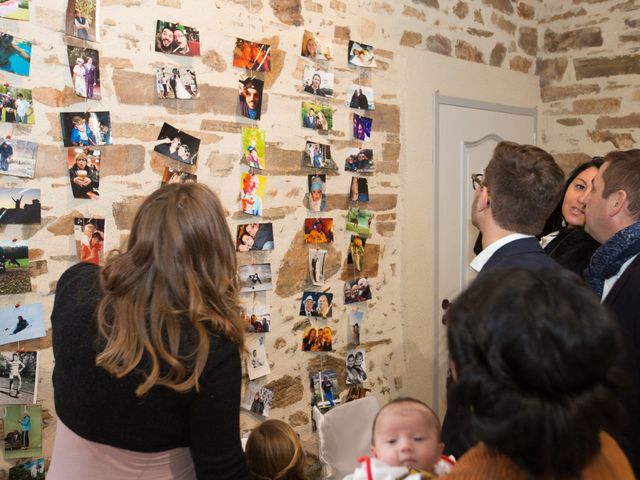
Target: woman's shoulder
{"x":82,"y":278}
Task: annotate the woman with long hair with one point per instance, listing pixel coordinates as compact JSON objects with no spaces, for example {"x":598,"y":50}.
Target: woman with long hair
{"x":147,"y":350}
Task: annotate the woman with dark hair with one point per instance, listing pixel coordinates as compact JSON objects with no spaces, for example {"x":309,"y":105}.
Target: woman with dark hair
{"x":147,"y":350}
{"x":535,"y":362}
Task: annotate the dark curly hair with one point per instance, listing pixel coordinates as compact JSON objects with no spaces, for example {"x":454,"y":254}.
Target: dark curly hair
{"x":536,"y":361}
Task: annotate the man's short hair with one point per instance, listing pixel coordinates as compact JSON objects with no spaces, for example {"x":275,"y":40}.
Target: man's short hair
{"x":623,"y":173}
{"x":525,"y":184}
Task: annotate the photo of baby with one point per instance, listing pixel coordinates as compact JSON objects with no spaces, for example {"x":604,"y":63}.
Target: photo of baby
{"x":317,"y":196}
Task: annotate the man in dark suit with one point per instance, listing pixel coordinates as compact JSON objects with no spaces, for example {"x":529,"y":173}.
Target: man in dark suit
{"x":612,"y":217}
{"x":521,"y":186}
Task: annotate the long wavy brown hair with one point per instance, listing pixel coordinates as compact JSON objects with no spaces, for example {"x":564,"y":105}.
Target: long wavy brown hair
{"x":173,"y":288}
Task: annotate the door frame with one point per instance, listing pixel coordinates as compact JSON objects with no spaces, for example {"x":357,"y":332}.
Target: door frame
{"x":439,"y":100}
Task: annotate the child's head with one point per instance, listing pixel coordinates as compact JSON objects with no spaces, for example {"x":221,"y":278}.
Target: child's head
{"x":274,"y":451}
{"x":406,"y":432}
{"x":247,"y":240}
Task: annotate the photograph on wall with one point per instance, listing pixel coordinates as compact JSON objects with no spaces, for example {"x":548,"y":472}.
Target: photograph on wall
{"x":89,"y":234}
{"x":177,"y":145}
{"x":356,"y":370}
{"x":359,"y":190}
{"x":253,"y":147}
{"x":257,"y":363}
{"x":318,"y":230}
{"x":256,"y":312}
{"x":17,"y":157}
{"x":33,"y":470}
{"x":361,"y":55}
{"x":316,"y":265}
{"x":356,"y":252}
{"x":257,"y":397}
{"x":23,"y":431}
{"x":177,"y":39}
{"x":362,"y":128}
{"x":84,"y":172}
{"x":18,"y":377}
{"x":14,"y":267}
{"x":175,"y":175}
{"x":252,"y":189}
{"x":360,"y":97}
{"x":324,"y":388}
{"x":317,"y":82}
{"x":16,"y":54}
{"x":318,"y":155}
{"x":354,"y":326}
{"x":84,"y":64}
{"x":254,"y":236}
{"x":83,"y":19}
{"x":250,"y":96}
{"x":255,"y":277}
{"x":357,"y":290}
{"x":19,"y":206}
{"x":177,"y":83}
{"x":20,"y":323}
{"x":316,"y":46}
{"x":359,"y":220}
{"x":359,"y":161}
{"x":317,"y":339}
{"x":86,"y":129}
{"x":15,"y":9}
{"x":316,"y":116}
{"x":316,"y":304}
{"x":317,"y":197}
{"x":252,"y":55}
{"x":16,"y":104}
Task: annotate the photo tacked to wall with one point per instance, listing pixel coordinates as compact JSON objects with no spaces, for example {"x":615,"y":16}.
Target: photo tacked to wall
{"x":177,"y":39}
{"x":19,"y":206}
{"x":15,"y":9}
{"x":84,"y":172}
{"x":83,"y":19}
{"x":16,"y":53}
{"x":86,"y":128}
{"x":16,"y":104}
{"x":318,"y":230}
{"x":254,"y":236}
{"x":20,"y":323}
{"x":177,"y":144}
{"x":84,"y":64}
{"x":23,"y":431}
{"x":89,"y":234}
{"x":177,"y":83}
{"x":17,"y":157}
{"x":252,"y":55}
{"x":19,"y":378}
{"x":361,"y":55}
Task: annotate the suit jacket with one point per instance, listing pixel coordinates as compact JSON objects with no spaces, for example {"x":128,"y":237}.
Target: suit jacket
{"x":572,"y":248}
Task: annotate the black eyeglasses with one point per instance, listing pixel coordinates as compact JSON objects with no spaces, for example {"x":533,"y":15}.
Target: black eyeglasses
{"x":477,"y":180}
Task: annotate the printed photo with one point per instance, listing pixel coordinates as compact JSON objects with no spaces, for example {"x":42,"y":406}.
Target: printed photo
{"x":15,"y":54}
{"x":177,"y":83}
{"x":16,"y":104}
{"x":18,"y":377}
{"x":353,"y":330}
{"x":19,"y":206}
{"x":17,"y":157}
{"x":360,"y":161}
{"x":84,"y":172}
{"x":14,"y":267}
{"x":362,"y":128}
{"x":253,"y":147}
{"x":252,"y":188}
{"x":86,"y":129}
{"x":177,"y":145}
{"x":317,"y":155}
{"x":23,"y":431}
{"x":316,"y":46}
{"x":250,"y":96}
{"x":316,"y":304}
{"x":89,"y":234}
{"x":359,"y":191}
{"x":318,"y":230}
{"x":317,"y":339}
{"x":177,"y":39}
{"x":359,"y":221}
{"x":256,"y":313}
{"x":316,"y":266}
{"x":84,"y":64}
{"x":357,"y":290}
{"x":317,"y":82}
{"x":317,"y":192}
{"x":252,"y":56}
{"x":175,"y":175}
{"x":21,"y":323}
{"x":318,"y":117}
{"x":255,"y":278}
{"x":33,"y":470}
{"x":356,"y":367}
{"x":257,"y":398}
{"x":361,"y":55}
{"x":356,"y":252}
{"x":83,"y":19}
{"x":360,"y":97}
{"x":15,"y":10}
{"x":254,"y":236}
{"x":324,"y":388}
{"x":257,"y":363}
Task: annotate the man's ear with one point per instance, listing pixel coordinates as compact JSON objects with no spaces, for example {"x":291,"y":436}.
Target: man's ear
{"x":483,"y":201}
{"x":618,"y":202}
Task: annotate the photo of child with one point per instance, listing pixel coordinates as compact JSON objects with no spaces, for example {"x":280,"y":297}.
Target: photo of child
{"x":89,"y":234}
{"x":317,"y":192}
{"x":23,"y":431}
{"x":84,"y":172}
{"x":21,"y":383}
{"x":252,"y":191}
{"x":356,"y":252}
{"x":318,"y":230}
{"x":15,"y":54}
{"x":86,"y":128}
{"x":253,"y":147}
{"x":325,"y":390}
{"x":359,"y":221}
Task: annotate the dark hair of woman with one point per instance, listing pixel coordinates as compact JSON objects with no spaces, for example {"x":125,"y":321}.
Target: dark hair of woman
{"x":536,"y":362}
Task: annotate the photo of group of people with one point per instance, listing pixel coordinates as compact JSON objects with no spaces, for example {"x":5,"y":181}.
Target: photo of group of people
{"x":17,"y":157}
{"x":359,"y":190}
{"x":15,"y":9}
{"x":317,"y":339}
{"x":253,"y":147}
{"x":16,"y":105}
{"x":252,"y":56}
{"x":360,"y":97}
{"x":257,"y":364}
{"x":255,"y":277}
{"x":89,"y":235}
{"x":23,"y":431}
{"x":19,"y":206}
{"x":177,"y":145}
{"x":258,"y":398}
{"x":177,"y":39}
{"x":360,"y":161}
{"x":318,"y":230}
{"x":317,"y":192}
{"x":22,"y":322}
{"x":254,"y":236}
{"x":354,"y":326}
{"x":86,"y":128}
{"x":250,"y":96}
{"x":175,"y":175}
{"x":316,"y":265}
{"x":316,"y":304}
{"x":316,"y":46}
{"x":176,"y":82}
{"x":256,"y":315}
{"x":84,"y":64}
{"x":317,"y":82}
{"x":84,"y":172}
{"x":361,"y":55}
{"x":15,"y":54}
{"x":325,"y":391}
{"x":356,"y":367}
{"x":14,"y":267}
{"x":18,"y":377}
{"x":252,"y":189}
{"x":83,"y":19}
{"x":318,"y":155}
{"x":359,"y":220}
{"x":357,"y":290}
{"x":362,"y":128}
{"x":316,"y":116}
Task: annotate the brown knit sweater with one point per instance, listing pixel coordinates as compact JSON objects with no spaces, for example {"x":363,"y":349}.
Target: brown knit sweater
{"x":479,"y":464}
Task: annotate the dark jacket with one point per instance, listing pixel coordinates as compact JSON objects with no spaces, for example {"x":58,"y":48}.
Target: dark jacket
{"x":572,"y":248}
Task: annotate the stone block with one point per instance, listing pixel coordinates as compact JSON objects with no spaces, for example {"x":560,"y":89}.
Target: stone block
{"x":439,"y":44}
{"x":621,"y":141}
{"x":595,"y":67}
{"x":170,"y":3}
{"x":552,"y":94}
{"x":287,"y":390}
{"x":125,"y":210}
{"x":587,"y":106}
{"x":461,"y":9}
{"x":570,"y":122}
{"x":122,"y":160}
{"x":298,"y":419}
{"x":410,"y":39}
{"x":581,"y":12}
{"x":386,"y":118}
{"x":338,"y":6}
{"x":64,"y":225}
{"x":477,"y":16}
{"x":428,"y":3}
{"x":528,"y":40}
{"x":502,"y":23}
{"x":526,"y":11}
{"x":572,"y":39}
{"x":342,"y":33}
{"x":551,"y":69}
{"x":497,"y":55}
{"x":35,"y":254}
{"x":466,"y":51}
{"x":53,"y":97}
{"x":386,"y":229}
{"x":505,"y":6}
{"x":415,"y":13}
{"x":288,"y":12}
{"x":214,"y":60}
{"x":630,"y":37}
{"x":628,"y":121}
{"x":51,"y":162}
{"x":312,"y":6}
{"x":37,"y":268}
{"x":569,"y":161}
{"x":479,"y":33}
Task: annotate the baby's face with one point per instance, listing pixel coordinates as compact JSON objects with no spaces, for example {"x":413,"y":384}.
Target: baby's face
{"x":406,"y":435}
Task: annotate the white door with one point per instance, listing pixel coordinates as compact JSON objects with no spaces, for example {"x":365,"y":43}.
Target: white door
{"x":466,"y":134}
